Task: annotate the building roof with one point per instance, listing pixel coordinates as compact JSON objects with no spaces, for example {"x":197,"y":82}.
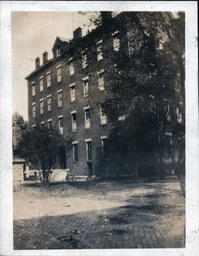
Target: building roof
{"x":41,"y":67}
{"x":58,"y":39}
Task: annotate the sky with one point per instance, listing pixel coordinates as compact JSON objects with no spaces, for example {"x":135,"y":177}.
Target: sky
{"x":33,"y":33}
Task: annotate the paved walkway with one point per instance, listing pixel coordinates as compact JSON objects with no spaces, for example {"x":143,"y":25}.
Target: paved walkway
{"x":135,"y":215}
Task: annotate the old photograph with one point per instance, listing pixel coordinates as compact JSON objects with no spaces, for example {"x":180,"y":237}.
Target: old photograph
{"x":99,"y":136}
{"x":99,"y":128}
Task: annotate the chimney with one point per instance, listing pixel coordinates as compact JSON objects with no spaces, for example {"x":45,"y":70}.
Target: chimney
{"x":37,"y":63}
{"x":77,"y":34}
{"x":106,"y":17}
{"x":45,"y":57}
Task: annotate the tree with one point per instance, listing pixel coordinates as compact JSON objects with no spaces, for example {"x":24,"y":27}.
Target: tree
{"x":143,"y":90}
{"x":18,"y":126}
{"x":41,"y":147}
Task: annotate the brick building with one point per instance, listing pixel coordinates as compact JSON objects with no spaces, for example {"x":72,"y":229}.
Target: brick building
{"x":60,"y":91}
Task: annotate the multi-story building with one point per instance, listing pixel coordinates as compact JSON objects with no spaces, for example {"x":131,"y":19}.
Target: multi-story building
{"x":62,"y":90}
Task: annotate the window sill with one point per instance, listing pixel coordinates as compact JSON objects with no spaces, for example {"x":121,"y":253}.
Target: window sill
{"x":101,"y":90}
{"x":72,"y":101}
{"x":103,"y":124}
{"x":74,"y":130}
{"x":85,"y":96}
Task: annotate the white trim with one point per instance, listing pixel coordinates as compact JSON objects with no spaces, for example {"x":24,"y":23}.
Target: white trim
{"x":49,"y":120}
{"x":87,"y":107}
{"x":115,"y":33}
{"x":87,"y":140}
{"x":48,"y":96}
{"x":85,"y":78}
{"x":60,"y":116}
{"x":34,"y":125}
{"x":100,"y":72}
{"x":59,"y":91}
{"x":71,"y":85}
{"x":33,"y":83}
{"x":34,"y":103}
{"x":73,"y":112}
{"x":71,"y":59}
{"x":99,"y":42}
{"x":42,"y":99}
{"x":58,"y":66}
{"x":103,"y":137}
{"x":42,"y":122}
{"x":75,"y":142}
{"x":41,"y":77}
{"x":48,"y":72}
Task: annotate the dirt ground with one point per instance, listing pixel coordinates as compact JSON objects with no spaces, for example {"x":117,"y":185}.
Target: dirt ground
{"x":99,"y":214}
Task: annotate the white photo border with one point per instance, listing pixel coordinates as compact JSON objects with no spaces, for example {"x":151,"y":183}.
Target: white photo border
{"x":192,"y":152}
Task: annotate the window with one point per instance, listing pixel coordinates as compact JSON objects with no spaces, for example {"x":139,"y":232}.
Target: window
{"x":75,"y":151}
{"x":116,"y":69}
{"x":84,"y":59}
{"x":59,"y":73}
{"x":121,"y":118}
{"x":99,"y":50}
{"x":58,"y":51}
{"x":85,"y":86}
{"x":101,"y":80}
{"x":87,"y":117}
{"x":33,"y":88}
{"x":179,"y":115}
{"x":41,"y":106}
{"x":49,"y":102}
{"x":72,"y":68}
{"x":116,"y":41}
{"x":48,"y":79}
{"x":72,"y":92}
{"x":74,"y":121}
{"x":60,"y":124}
{"x":167,"y":109}
{"x":88,"y":150}
{"x":50,"y":124}
{"x":59,"y":98}
{"x":34,"y":110}
{"x":104,"y":147}
{"x":41,"y":83}
{"x":103,"y":118}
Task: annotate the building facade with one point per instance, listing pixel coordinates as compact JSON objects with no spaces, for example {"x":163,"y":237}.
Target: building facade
{"x":60,"y":91}
{"x":65,"y":92}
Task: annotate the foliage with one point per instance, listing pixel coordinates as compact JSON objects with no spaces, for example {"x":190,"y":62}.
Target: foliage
{"x":146,"y":93}
{"x":41,"y":146}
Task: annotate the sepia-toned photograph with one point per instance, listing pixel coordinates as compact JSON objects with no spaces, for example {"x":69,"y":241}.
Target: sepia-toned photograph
{"x":99,"y":146}
{"x":99,"y":129}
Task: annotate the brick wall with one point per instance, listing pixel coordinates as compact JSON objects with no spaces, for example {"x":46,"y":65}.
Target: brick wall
{"x":96,"y":129}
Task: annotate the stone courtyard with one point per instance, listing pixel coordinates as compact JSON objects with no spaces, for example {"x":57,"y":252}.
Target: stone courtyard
{"x":100,"y":214}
